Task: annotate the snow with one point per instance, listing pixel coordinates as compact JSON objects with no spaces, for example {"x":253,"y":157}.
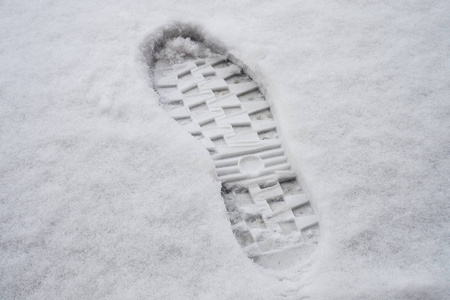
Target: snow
{"x":179,"y":49}
{"x":103,"y":196}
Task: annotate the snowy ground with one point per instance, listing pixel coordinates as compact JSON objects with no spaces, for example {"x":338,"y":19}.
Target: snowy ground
{"x":103,"y":196}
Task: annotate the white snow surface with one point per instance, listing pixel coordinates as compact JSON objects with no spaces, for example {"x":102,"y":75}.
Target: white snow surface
{"x":103,"y":196}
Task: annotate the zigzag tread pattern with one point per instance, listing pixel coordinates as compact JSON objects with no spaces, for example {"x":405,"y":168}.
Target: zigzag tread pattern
{"x":224,"y":108}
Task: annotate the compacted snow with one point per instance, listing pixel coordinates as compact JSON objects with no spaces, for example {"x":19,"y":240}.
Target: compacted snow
{"x":103,"y":196}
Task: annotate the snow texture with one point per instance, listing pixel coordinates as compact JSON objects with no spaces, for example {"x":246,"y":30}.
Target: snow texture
{"x":178,"y":49}
{"x":102,"y":196}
